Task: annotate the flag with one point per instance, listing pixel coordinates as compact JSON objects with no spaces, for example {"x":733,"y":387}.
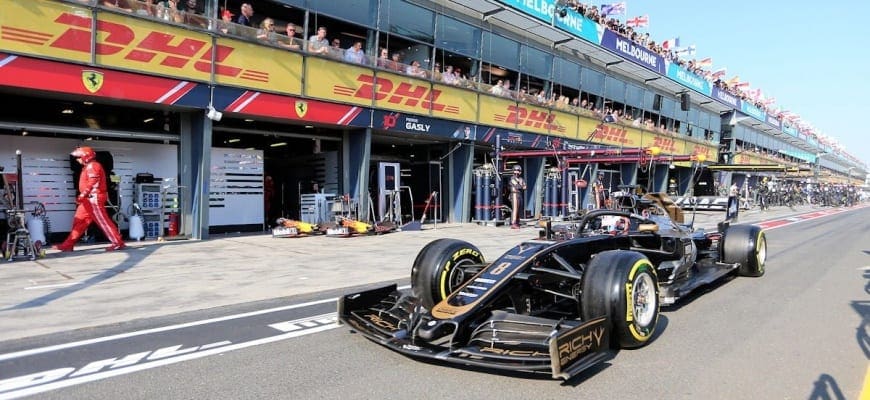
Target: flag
{"x":768,"y":101}
{"x":671,"y":44}
{"x":733,"y":81}
{"x":704,"y":62}
{"x":638,"y":22}
{"x":719,"y":73}
{"x":688,"y":51}
{"x":613,"y":9}
{"x":741,"y":85}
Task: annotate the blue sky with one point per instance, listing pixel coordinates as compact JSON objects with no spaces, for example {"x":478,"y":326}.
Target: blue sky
{"x":810,"y":56}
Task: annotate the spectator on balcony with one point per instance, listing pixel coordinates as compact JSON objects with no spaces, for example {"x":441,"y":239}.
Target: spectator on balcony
{"x":335,"y":51}
{"x":355,"y":53}
{"x":120,"y":5}
{"x":415,"y":70}
{"x":437,"y":75}
{"x":449,"y":77}
{"x":292,"y":42}
{"x":317,"y":44}
{"x":191,"y":14}
{"x":496,"y":89}
{"x":384,"y":58}
{"x":266,"y":33}
{"x":245,"y":17}
{"x":226,"y":24}
{"x":395,"y":63}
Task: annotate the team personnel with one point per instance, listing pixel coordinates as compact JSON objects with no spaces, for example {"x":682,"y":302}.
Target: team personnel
{"x":600,"y":192}
{"x":91,"y":200}
{"x":517,"y":187}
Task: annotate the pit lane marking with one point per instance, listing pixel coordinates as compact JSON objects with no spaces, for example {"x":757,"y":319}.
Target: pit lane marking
{"x":63,"y":346}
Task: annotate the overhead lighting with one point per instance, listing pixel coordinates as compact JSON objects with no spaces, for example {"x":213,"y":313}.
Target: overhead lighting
{"x":309,"y":126}
{"x":279,"y":144}
{"x":89,"y":138}
{"x":87,"y":103}
{"x":248,"y":120}
{"x":250,"y":148}
{"x":24,"y":132}
{"x":67,"y":111}
{"x":234,"y":140}
{"x":147,"y":120}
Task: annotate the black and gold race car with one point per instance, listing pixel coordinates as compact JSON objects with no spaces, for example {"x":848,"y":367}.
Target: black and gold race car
{"x":557,"y":304}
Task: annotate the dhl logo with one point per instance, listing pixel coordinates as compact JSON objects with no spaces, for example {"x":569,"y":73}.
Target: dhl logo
{"x":743,"y":159}
{"x":611,"y":134}
{"x":153,"y":47}
{"x":702,"y":150}
{"x":407,"y":94}
{"x":530,"y":118}
{"x":667,"y":145}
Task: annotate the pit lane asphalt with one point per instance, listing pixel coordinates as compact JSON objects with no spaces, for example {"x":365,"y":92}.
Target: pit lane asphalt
{"x":90,"y":287}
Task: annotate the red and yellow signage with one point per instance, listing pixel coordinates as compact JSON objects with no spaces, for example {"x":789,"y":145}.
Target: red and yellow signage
{"x":508,"y":114}
{"x":610,"y":134}
{"x":56,"y":30}
{"x":332,"y":80}
{"x":463,"y":102}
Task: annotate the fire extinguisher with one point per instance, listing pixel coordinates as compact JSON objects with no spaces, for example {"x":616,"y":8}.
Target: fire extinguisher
{"x":173,"y":224}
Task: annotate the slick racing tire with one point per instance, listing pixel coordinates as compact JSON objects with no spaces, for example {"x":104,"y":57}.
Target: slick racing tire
{"x":747,"y":245}
{"x":440,"y":268}
{"x":623,"y":286}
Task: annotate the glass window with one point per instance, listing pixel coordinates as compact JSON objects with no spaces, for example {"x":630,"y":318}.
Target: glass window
{"x":633,"y":95}
{"x":668,"y":106}
{"x":566,"y":73}
{"x":458,"y":37}
{"x":592,"y":81}
{"x":359,"y":11}
{"x":407,"y":20}
{"x":501,"y":51}
{"x":536,"y":62}
{"x":704,"y":120}
{"x":614,"y":89}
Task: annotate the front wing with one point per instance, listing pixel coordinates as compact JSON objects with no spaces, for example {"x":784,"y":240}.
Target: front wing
{"x":390,"y":318}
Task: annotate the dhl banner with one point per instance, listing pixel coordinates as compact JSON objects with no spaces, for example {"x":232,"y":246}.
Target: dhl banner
{"x":748,"y":159}
{"x":46,"y":29}
{"x":567,"y":125}
{"x":609,"y":134}
{"x":403,"y":93}
{"x":495,"y":111}
{"x":667,"y":144}
{"x":709,"y":153}
{"x":330,"y":80}
{"x":463,"y":103}
{"x":65,"y":33}
{"x":266,"y":68}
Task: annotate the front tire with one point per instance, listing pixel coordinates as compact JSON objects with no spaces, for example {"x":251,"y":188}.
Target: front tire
{"x":623,"y":286}
{"x":439,"y":269}
{"x":747,"y":245}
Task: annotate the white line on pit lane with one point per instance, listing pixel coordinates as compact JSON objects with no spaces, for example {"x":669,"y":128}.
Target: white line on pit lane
{"x":40,"y":350}
{"x":52,"y":286}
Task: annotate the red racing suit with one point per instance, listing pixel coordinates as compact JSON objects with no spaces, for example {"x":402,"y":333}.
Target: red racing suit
{"x":91,"y":202}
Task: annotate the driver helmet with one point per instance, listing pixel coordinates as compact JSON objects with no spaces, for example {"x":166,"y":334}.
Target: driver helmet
{"x":518,"y":169}
{"x":85,"y":153}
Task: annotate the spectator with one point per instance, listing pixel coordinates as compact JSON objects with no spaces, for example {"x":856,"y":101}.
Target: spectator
{"x":335,"y":50}
{"x":436,"y":73}
{"x":396,"y":62}
{"x":120,"y":5}
{"x":415,"y":70}
{"x":292,"y":42}
{"x":384,"y":58}
{"x":449,"y":77}
{"x":497,"y":88}
{"x":266,"y":33}
{"x":246,"y":13}
{"x":226,"y":25}
{"x":355,"y":53}
{"x":191,"y":14}
{"x":317,"y":44}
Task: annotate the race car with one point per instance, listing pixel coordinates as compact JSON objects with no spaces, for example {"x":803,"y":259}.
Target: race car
{"x":560,"y":303}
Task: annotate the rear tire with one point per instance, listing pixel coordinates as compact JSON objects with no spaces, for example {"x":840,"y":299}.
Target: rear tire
{"x":438,"y":269}
{"x":622,"y":285}
{"x":747,"y":245}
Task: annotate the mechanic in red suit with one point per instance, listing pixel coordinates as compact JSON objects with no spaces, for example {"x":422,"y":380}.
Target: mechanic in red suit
{"x":91,"y":200}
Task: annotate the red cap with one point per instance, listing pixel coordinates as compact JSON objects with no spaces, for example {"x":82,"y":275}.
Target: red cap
{"x":227,"y":13}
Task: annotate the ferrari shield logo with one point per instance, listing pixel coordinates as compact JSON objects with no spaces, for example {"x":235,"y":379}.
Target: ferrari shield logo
{"x":301,"y":108}
{"x":92,"y":80}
